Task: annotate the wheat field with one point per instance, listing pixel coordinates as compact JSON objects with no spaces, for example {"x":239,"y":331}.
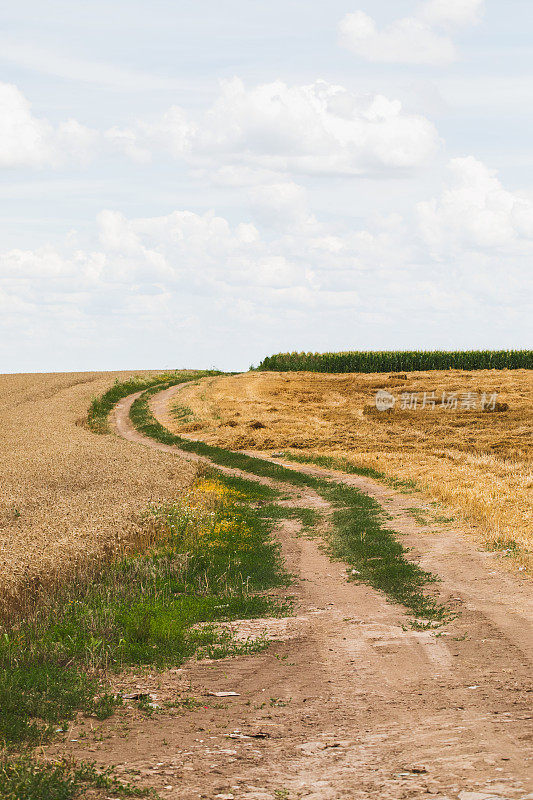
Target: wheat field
{"x":68,"y":496}
{"x":478,"y":463}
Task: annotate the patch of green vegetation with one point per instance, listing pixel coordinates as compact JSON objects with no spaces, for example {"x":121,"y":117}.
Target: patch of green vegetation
{"x":206,"y":564}
{"x":185,"y":703}
{"x":26,"y":778}
{"x":182,"y":413}
{"x":426,"y":516}
{"x":403,"y":485}
{"x":343,"y":465}
{"x":331,"y":462}
{"x":359,"y":537}
{"x":507,"y":547}
{"x":37,"y":695}
{"x":421,"y":515}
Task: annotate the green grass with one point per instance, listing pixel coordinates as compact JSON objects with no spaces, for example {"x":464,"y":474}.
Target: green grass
{"x":343,"y":465}
{"x":360,"y":538}
{"x":26,"y":778}
{"x":507,"y":547}
{"x":421,"y":515}
{"x":426,"y":516}
{"x":182,"y":413}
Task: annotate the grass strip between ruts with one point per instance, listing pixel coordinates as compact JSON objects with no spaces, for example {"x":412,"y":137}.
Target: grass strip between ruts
{"x":343,"y":465}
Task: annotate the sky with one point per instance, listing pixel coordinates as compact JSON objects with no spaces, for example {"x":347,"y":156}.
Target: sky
{"x":204,"y":184}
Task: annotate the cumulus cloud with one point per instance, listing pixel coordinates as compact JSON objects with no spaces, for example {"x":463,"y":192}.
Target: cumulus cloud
{"x":185,"y":254}
{"x":23,"y":138}
{"x":315,"y":128}
{"x":475,"y":210}
{"x":248,"y":136}
{"x":172,"y":133}
{"x":318,"y":127}
{"x":28,"y":141}
{"x":482,"y":232}
{"x":410,"y":40}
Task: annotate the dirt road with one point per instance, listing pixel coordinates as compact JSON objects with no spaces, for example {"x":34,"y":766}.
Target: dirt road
{"x":354,"y":704}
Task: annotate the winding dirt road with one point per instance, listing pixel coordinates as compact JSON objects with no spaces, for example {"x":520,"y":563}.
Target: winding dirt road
{"x":354,"y":703}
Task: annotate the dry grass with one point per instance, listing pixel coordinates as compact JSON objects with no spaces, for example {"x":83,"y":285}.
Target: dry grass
{"x":68,"y":496}
{"x":479,"y":464}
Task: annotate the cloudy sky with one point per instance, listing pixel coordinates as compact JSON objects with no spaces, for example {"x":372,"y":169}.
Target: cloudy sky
{"x":203,"y":184}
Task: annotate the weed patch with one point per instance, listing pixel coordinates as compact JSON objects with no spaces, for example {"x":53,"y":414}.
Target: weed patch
{"x":26,"y":778}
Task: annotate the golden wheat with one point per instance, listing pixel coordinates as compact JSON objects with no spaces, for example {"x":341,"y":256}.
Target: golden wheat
{"x":67,"y":495}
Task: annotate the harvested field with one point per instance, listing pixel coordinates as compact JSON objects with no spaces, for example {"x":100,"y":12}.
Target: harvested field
{"x":478,"y":463}
{"x":68,"y":496}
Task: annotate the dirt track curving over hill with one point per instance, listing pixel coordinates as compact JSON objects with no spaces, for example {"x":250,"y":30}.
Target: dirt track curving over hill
{"x":357,"y":704}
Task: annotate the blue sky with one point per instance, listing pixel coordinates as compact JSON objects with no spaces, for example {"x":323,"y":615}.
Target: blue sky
{"x":204,"y":184}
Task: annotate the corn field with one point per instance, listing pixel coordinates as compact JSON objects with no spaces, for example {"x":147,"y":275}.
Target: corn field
{"x":398,"y":361}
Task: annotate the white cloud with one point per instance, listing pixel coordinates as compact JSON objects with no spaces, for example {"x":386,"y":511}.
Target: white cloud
{"x":246,"y":137}
{"x":410,"y":40}
{"x":476,"y":230}
{"x":23,"y":138}
{"x":281,"y":205}
{"x":27,"y":141}
{"x":406,"y":41}
{"x":475,"y":211}
{"x":313,"y":129}
{"x":173,"y":133}
{"x":318,"y":127}
{"x":127,"y":142}
{"x":456,"y":13}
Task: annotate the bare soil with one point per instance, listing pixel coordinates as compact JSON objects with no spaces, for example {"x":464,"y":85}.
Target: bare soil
{"x":351,"y":702}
